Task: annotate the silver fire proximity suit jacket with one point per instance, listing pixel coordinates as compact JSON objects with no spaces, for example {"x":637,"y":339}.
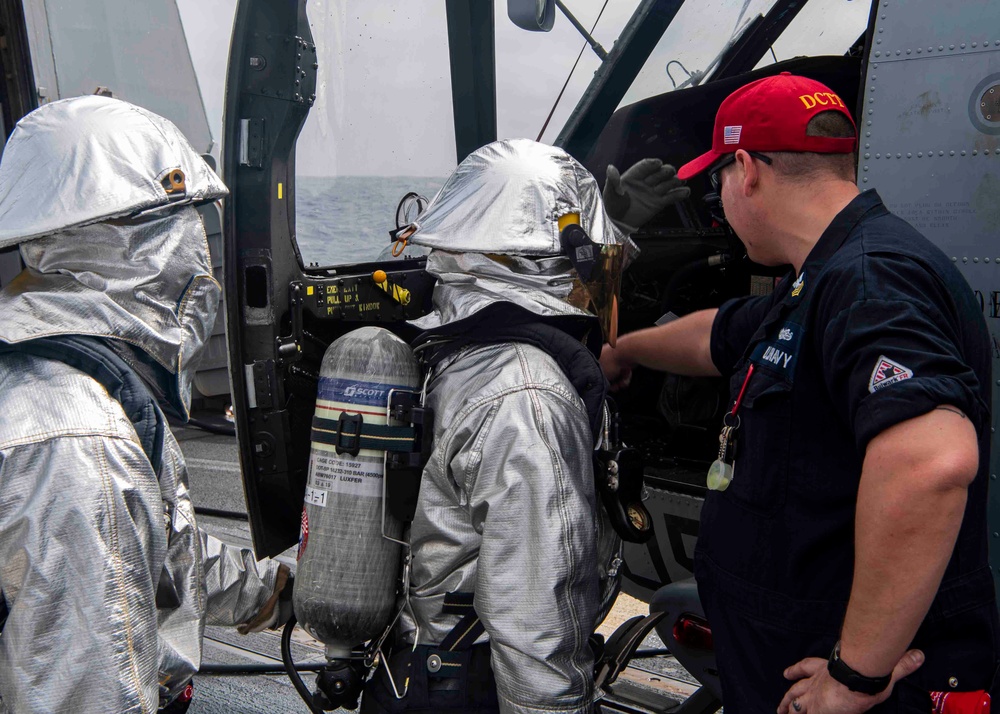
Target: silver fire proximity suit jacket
{"x":507,"y":507}
{"x":86,"y":526}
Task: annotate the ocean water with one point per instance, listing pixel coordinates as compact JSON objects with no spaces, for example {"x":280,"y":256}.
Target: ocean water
{"x":347,"y":219}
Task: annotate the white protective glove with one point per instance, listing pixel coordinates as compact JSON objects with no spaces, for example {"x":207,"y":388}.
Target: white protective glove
{"x":632,"y":199}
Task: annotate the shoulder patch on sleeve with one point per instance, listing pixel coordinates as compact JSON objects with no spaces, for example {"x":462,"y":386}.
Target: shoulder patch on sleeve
{"x":887,"y":372}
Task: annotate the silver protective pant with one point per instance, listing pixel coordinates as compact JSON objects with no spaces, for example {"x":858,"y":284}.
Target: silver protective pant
{"x":508,"y":511}
{"x":85,"y":530}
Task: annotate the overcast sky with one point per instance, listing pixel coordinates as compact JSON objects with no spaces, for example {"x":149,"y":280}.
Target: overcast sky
{"x":384,"y":94}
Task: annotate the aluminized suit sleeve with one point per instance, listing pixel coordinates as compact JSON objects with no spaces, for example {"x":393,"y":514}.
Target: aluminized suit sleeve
{"x":215,"y":585}
{"x":529,"y":476}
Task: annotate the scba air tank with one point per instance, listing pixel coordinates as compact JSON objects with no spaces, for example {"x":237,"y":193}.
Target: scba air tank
{"x":345,"y":583}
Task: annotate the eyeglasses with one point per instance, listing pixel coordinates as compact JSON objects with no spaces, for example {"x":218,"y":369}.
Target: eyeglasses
{"x":714,"y":176}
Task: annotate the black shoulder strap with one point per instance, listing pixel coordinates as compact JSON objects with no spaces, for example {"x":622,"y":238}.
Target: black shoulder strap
{"x":575,"y":358}
{"x":95,"y":358}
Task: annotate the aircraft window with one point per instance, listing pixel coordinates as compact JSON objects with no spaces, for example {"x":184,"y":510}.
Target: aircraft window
{"x":382,"y":125}
{"x":692,"y":44}
{"x":532,"y":66}
{"x":822,"y":27}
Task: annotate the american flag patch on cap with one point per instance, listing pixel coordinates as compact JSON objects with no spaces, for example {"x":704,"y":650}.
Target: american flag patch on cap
{"x":731,"y":134}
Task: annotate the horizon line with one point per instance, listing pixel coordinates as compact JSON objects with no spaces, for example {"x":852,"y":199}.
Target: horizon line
{"x":309,"y":176}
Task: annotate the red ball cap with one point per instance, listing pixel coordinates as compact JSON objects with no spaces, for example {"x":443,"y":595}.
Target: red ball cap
{"x":771,"y":114}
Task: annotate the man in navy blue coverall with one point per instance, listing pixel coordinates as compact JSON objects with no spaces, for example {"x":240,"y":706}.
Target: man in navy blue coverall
{"x":845,"y":566}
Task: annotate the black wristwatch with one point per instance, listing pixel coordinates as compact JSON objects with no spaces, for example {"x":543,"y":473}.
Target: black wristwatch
{"x":855,"y":681}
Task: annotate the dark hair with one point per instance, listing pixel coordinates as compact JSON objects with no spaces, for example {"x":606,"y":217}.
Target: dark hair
{"x":805,"y":164}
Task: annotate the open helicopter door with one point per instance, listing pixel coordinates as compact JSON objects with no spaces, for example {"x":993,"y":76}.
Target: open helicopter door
{"x":335,"y":110}
{"x":270,"y":86}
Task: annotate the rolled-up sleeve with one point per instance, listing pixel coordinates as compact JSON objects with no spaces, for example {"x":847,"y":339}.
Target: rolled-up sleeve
{"x":890,"y":359}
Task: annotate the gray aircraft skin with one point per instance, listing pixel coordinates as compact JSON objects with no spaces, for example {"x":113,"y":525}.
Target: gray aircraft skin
{"x":925,"y":77}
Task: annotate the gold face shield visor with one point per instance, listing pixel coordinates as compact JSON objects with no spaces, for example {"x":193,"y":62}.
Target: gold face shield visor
{"x":599,"y":269}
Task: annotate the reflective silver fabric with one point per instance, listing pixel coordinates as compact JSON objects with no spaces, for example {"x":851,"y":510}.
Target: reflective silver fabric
{"x":498,"y":218}
{"x":507,"y":510}
{"x":86,"y":527}
{"x":468,"y":282}
{"x":147,"y":282}
{"x":87,"y":159}
{"x":507,"y":505}
{"x":507,"y":197}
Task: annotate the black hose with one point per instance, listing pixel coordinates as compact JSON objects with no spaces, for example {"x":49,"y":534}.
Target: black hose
{"x":643,"y":654}
{"x":286,"y":658}
{"x":226,"y":429}
{"x":217,"y":669}
{"x":220,"y":513}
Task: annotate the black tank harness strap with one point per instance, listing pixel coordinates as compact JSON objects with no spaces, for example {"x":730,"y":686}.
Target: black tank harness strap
{"x":448,"y":664}
{"x":568,"y":340}
{"x":351,"y":433}
{"x":407,"y":447}
{"x":453,"y":676}
{"x":468,"y":629}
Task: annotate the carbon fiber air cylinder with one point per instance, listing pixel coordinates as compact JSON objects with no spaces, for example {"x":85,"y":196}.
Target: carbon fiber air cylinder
{"x":345,"y":583}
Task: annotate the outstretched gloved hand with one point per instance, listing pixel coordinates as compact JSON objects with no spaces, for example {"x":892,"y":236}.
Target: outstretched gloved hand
{"x":633,"y":198}
{"x":278,"y":608}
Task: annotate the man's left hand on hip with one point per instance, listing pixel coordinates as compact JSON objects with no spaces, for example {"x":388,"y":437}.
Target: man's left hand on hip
{"x":816,"y":692}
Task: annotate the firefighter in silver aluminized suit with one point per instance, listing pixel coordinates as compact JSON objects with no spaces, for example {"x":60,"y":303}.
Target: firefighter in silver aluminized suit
{"x":100,"y":196}
{"x":513,"y":560}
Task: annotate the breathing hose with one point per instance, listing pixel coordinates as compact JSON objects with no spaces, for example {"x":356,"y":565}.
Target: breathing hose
{"x":224,"y":669}
{"x":286,"y":658}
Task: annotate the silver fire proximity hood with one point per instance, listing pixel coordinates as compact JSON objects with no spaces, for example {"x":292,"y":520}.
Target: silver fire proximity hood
{"x":99,"y":195}
{"x":87,"y":159}
{"x":495,"y":234}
